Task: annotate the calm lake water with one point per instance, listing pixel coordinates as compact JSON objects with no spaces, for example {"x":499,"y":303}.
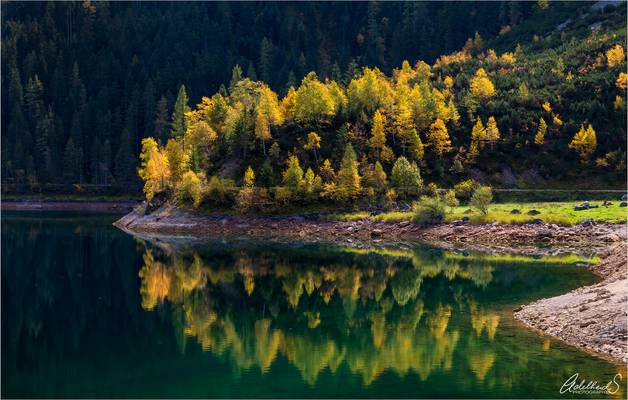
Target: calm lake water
{"x":89,"y":311}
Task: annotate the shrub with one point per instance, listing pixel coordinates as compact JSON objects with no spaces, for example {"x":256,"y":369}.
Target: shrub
{"x":464,"y":189}
{"x":450,"y":199}
{"x":190,"y":189}
{"x":428,"y":211}
{"x":245,"y":200}
{"x":481,"y":198}
{"x":220,"y":190}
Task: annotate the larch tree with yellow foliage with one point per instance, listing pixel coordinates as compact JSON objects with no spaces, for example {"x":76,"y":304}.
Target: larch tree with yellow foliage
{"x":622,"y":81}
{"x":438,"y":137}
{"x":481,"y":85}
{"x":492,"y":131}
{"x":407,"y":133}
{"x":378,"y":134}
{"x":615,"y":55}
{"x":154,"y":169}
{"x":584,"y":143}
{"x":539,"y":138}
{"x":313,"y":143}
{"x":249,"y":178}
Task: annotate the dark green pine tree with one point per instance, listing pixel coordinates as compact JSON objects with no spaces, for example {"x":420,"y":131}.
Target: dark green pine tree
{"x":161,"y":120}
{"x":236,"y":76}
{"x":178,"y":114}
{"x":125,"y":160}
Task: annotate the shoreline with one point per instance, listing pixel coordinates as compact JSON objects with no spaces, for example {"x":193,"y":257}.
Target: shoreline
{"x":592,"y":318}
{"x":109,"y":206}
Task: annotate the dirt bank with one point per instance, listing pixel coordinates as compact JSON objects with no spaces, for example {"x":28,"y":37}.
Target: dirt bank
{"x":113,"y":206}
{"x":592,"y":317}
{"x":528,"y":238}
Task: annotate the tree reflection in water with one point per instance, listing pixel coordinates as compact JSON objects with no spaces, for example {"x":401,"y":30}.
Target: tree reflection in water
{"x":368,"y":312}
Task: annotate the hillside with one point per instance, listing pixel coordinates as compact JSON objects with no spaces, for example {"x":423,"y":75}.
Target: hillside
{"x":532,"y":100}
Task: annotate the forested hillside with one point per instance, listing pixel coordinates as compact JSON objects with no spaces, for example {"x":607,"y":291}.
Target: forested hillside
{"x":346,"y":93}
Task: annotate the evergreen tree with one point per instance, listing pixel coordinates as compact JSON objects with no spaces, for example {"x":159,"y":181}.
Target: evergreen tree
{"x":179,"y":124}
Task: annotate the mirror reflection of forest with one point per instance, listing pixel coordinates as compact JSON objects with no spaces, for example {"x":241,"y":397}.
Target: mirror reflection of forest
{"x":90,"y":312}
{"x":320,"y":308}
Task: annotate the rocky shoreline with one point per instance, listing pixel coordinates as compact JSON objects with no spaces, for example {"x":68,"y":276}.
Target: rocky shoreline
{"x":592,"y":318}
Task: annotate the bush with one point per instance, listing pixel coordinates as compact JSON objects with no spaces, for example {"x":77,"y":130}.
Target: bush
{"x":190,"y":189}
{"x":428,"y":211}
{"x":450,"y":199}
{"x":481,"y":198}
{"x":464,"y":189}
{"x":220,"y":190}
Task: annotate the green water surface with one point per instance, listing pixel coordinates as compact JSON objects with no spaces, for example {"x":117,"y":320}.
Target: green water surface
{"x":90,"y":311}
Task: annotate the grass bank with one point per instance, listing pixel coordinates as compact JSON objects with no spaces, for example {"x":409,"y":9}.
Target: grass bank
{"x":560,"y":212}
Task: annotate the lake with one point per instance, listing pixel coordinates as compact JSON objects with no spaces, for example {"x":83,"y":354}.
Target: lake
{"x":90,"y":311}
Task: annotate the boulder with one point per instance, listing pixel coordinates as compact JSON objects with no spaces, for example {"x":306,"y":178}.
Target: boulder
{"x":515,"y":211}
{"x":582,"y":206}
{"x":623,"y":204}
{"x":465,"y":219}
{"x":536,"y":221}
{"x":468,"y":211}
{"x":587,"y":222}
{"x":533,"y":212}
{"x":607,"y":203}
{"x":375,"y":233}
{"x":405,"y":207}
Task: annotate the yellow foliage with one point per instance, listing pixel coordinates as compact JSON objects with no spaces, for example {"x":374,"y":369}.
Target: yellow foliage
{"x":481,"y":85}
{"x":249,"y":177}
{"x":547,"y":107}
{"x":154,"y":169}
{"x":615,"y":55}
{"x":622,"y":81}
{"x":313,"y":141}
{"x":539,"y":138}
{"x":584,"y":142}
{"x":492,"y":131}
{"x":191,"y":188}
{"x":619,"y":103}
{"x":438,"y":137}
{"x":508,"y":58}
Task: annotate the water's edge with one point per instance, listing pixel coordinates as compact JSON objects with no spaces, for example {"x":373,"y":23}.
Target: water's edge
{"x":592,"y":318}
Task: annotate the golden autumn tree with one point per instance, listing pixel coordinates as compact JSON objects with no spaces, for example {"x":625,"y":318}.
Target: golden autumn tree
{"x":481,"y":85}
{"x":249,"y":178}
{"x":438,"y":137}
{"x":492,"y":131}
{"x":268,"y":113}
{"x":406,"y":132}
{"x":539,"y":138}
{"x":378,"y":134}
{"x":348,"y":180}
{"x":584,"y":142}
{"x":154,"y":169}
{"x":615,"y":55}
{"x":622,"y":81}
{"x":313,"y":143}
